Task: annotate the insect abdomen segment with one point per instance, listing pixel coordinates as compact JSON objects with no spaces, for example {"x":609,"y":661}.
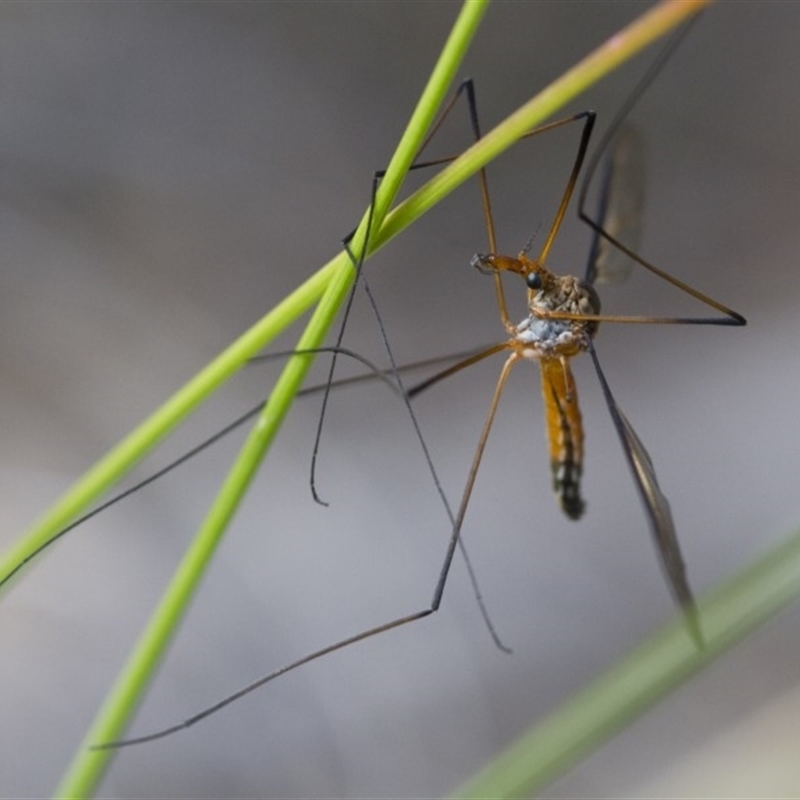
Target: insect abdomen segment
{"x":564,"y":433}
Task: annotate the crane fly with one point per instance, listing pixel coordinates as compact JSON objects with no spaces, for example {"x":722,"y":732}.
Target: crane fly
{"x":564,"y":314}
{"x":563,"y":317}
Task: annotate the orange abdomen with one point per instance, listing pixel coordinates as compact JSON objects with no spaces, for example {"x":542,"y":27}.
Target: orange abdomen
{"x":564,"y":433}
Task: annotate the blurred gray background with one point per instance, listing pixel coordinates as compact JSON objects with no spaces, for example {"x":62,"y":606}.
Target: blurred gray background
{"x":169,"y":172}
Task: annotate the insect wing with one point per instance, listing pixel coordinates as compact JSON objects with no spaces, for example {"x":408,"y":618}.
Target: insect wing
{"x":658,"y":509}
{"x":620,"y":211}
{"x":655,"y":502}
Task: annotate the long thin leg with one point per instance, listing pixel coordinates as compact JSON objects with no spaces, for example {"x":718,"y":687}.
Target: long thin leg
{"x":463,"y":360}
{"x":374,"y":372}
{"x":473,"y":472}
{"x":468,"y":361}
{"x":589,"y":120}
{"x":429,"y":461}
{"x":612,"y":200}
{"x":612,"y":253}
{"x":465,"y":87}
{"x":733,"y":318}
{"x":358,"y":266}
{"x":620,"y":193}
{"x":359,"y":637}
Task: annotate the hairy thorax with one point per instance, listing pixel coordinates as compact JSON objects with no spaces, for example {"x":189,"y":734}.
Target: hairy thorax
{"x":543,"y":334}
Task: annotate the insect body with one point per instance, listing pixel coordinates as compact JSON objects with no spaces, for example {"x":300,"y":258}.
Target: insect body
{"x":563,"y":318}
{"x":552,"y":342}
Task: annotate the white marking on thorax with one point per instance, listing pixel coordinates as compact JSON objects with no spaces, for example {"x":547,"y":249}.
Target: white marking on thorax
{"x":544,"y":336}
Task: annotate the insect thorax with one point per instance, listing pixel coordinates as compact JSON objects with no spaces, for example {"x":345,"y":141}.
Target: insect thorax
{"x":543,"y":336}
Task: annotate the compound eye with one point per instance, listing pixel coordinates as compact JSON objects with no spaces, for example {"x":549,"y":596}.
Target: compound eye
{"x":534,"y":280}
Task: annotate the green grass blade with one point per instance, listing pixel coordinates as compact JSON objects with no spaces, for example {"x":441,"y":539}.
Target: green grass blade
{"x":645,"y":676}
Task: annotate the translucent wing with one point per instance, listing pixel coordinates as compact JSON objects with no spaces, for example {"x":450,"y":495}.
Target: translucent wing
{"x":620,"y":209}
{"x":656,"y":505}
